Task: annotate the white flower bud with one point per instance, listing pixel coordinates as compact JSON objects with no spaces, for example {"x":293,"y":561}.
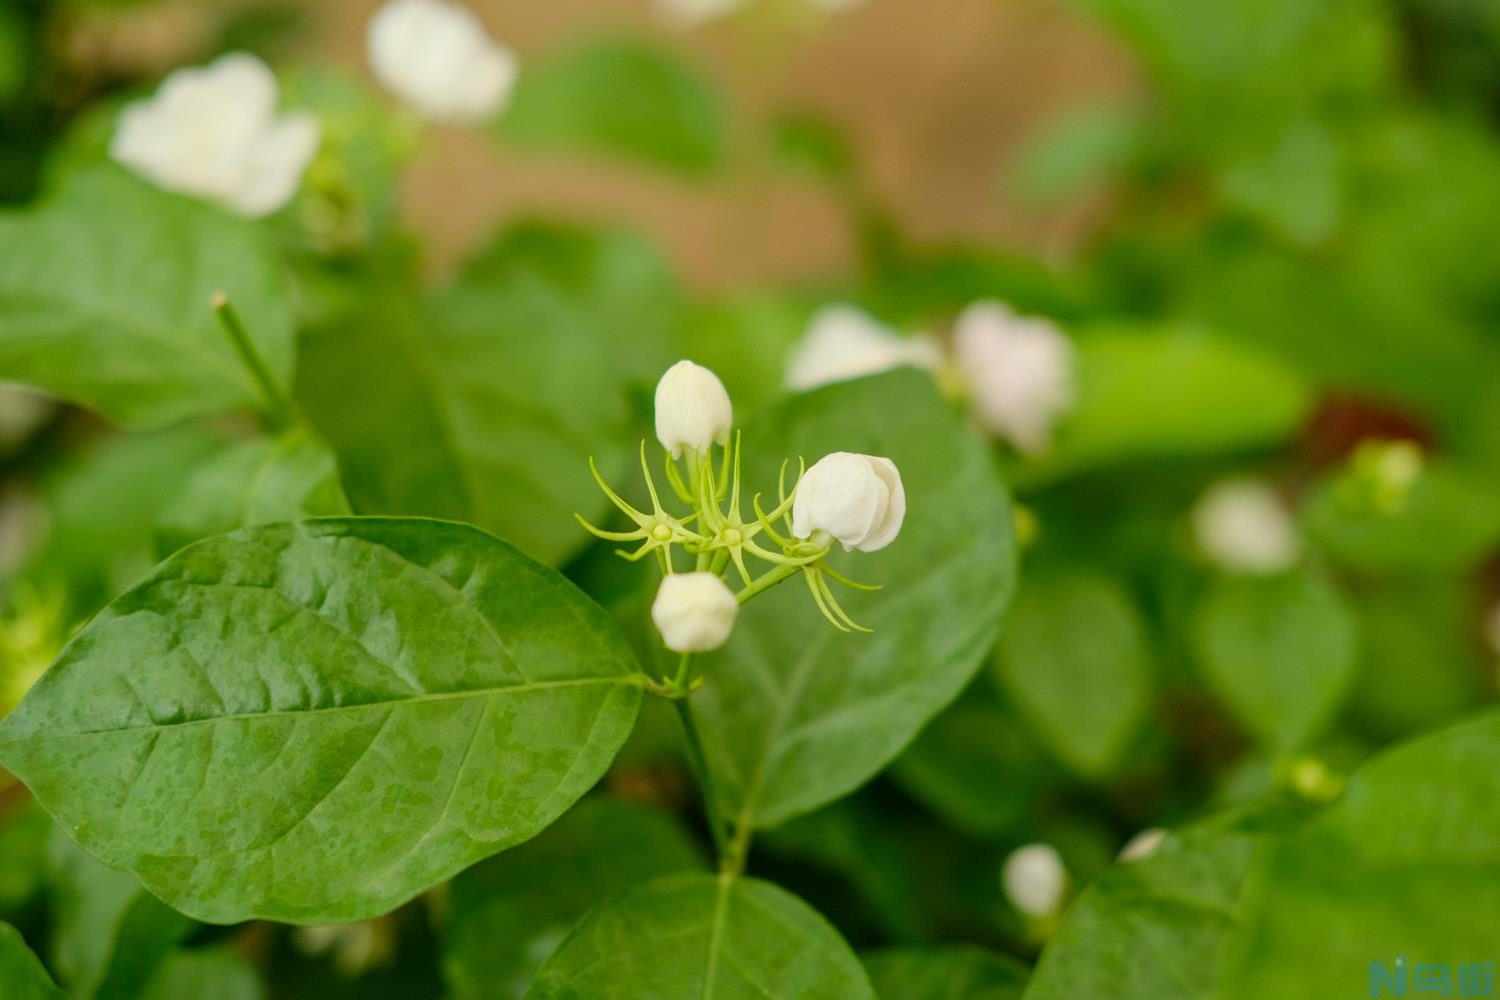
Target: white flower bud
{"x":692,"y":409}
{"x":1019,"y":371}
{"x":857,"y":499}
{"x":1142,"y":845}
{"x":213,"y":132}
{"x":1242,"y":527}
{"x":685,"y":13}
{"x":843,"y":343}
{"x":437,"y":57}
{"x":694,"y":611}
{"x":1034,"y":880}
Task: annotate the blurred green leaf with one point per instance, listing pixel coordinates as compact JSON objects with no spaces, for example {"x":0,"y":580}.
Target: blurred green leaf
{"x":510,"y":912}
{"x":21,"y":974}
{"x":948,"y":972}
{"x":1177,"y":393}
{"x":796,"y":713}
{"x":110,"y":934}
{"x":220,"y":973}
{"x":23,"y":854}
{"x":1074,"y":658}
{"x":1076,"y":150}
{"x":701,"y":937}
{"x":259,"y":481}
{"x":97,"y":302}
{"x":813,"y":144}
{"x":622,"y":98}
{"x":1295,"y":186}
{"x":1279,"y":652}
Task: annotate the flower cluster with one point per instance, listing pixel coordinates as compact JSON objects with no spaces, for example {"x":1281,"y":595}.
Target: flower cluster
{"x":855,"y":500}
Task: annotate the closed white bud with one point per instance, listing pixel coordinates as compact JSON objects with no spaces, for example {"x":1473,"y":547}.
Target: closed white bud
{"x":843,"y":343}
{"x":1034,"y":880}
{"x":692,"y":409}
{"x":1242,"y":527}
{"x":437,"y":57}
{"x":695,"y":612}
{"x":1142,"y":845}
{"x":857,"y":499}
{"x":1019,"y":372}
{"x":213,"y":132}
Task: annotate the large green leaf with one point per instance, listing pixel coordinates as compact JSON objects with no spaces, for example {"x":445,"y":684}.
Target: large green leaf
{"x":1279,"y":652}
{"x":259,"y":481}
{"x":797,"y":713}
{"x":1152,"y":393}
{"x":621,"y":98}
{"x":950,"y":972}
{"x":315,"y":722}
{"x":21,"y":974}
{"x":484,"y":403}
{"x":105,"y":298}
{"x":698,"y":937}
{"x":510,"y":912}
{"x":1074,"y":659}
{"x":109,"y":933}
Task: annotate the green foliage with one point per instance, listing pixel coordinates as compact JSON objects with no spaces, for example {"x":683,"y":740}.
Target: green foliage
{"x":269,"y":689}
{"x":798,"y":714}
{"x":1279,"y":652}
{"x":1074,"y":658}
{"x":953,"y":972}
{"x":697,"y":937}
{"x":220,"y":972}
{"x":98,"y":308}
{"x":510,"y":912}
{"x":620,"y":98}
{"x":21,"y":973}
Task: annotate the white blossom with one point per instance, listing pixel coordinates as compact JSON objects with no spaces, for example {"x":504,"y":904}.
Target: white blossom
{"x":1143,"y":845}
{"x":213,"y":132}
{"x":843,"y":343}
{"x":692,"y":409}
{"x":1019,"y":372}
{"x":686,"y":13}
{"x":858,"y":499}
{"x":1241,"y":526}
{"x":1034,"y":880}
{"x":695,"y":612}
{"x":437,"y":57}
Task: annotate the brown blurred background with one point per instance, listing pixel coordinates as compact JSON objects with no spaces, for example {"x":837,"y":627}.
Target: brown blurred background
{"x":934,"y":94}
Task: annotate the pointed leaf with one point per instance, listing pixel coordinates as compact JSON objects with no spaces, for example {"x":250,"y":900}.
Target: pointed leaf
{"x":21,"y":974}
{"x":313,"y":723}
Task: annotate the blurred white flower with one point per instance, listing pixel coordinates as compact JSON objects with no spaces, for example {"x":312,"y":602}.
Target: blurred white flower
{"x":1019,"y":372}
{"x":686,"y":13}
{"x":353,"y":947}
{"x":857,"y":499}
{"x":437,"y":57}
{"x":1143,"y":845}
{"x":692,"y":409}
{"x":1241,"y":525}
{"x":843,"y":343}
{"x":1035,"y":880}
{"x":213,"y":132}
{"x":695,"y":612}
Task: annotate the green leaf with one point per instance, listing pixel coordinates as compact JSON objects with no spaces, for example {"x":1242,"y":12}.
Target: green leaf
{"x":796,"y":713}
{"x":1279,"y":652}
{"x":109,"y":934}
{"x":221,"y":973}
{"x":104,"y":299}
{"x":1074,"y":659}
{"x":254,"y":482}
{"x":21,"y":974}
{"x":510,"y":912}
{"x":23,"y":852}
{"x":1176,"y":393}
{"x":698,"y":937}
{"x":946,"y":972}
{"x":1407,"y":863}
{"x":1157,"y":928}
{"x":1077,"y":149}
{"x":314,"y":722}
{"x":484,"y":404}
{"x":621,"y":98}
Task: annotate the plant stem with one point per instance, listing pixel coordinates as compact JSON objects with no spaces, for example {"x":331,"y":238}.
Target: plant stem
{"x":705,"y":779}
{"x":280,"y":410}
{"x":767,"y":581}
